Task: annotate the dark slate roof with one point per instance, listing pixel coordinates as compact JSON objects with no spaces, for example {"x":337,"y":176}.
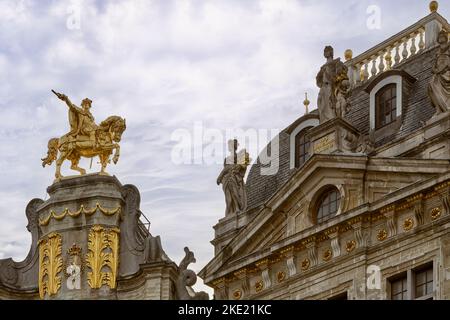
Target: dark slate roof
{"x":261,"y":187}
{"x":418,"y":110}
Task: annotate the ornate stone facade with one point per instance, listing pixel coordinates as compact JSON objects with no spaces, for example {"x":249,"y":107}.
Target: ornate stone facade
{"x":370,"y":206}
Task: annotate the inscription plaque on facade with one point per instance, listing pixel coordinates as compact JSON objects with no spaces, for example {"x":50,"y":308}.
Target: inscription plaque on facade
{"x":324,"y":144}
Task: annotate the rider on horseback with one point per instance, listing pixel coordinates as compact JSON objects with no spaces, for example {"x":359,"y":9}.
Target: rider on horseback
{"x":81,"y":120}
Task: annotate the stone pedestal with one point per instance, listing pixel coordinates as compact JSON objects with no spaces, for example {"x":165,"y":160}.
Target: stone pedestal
{"x":79,"y":243}
{"x":333,"y":136}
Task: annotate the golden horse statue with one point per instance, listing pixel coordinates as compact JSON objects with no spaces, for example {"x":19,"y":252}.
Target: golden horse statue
{"x":85,"y":139}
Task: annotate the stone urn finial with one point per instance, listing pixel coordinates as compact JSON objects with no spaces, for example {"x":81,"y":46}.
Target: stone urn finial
{"x":348,"y":54}
{"x":434,"y":6}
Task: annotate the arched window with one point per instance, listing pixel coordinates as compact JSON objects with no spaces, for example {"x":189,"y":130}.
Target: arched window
{"x":328,"y":205}
{"x":385,"y":105}
{"x":302,"y":145}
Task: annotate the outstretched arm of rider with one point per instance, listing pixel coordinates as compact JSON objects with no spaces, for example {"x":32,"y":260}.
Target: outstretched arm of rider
{"x":65,"y":98}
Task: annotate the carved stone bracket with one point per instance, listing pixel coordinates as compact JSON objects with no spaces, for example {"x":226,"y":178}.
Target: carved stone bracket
{"x":242,"y":275}
{"x":360,"y":237}
{"x":266,"y":278}
{"x":335,"y":245}
{"x":292,"y":269}
{"x":221,"y":289}
{"x":419,"y":213}
{"x":288,"y":253}
{"x":391,"y":222}
{"x":445,"y":199}
{"x":312,"y":253}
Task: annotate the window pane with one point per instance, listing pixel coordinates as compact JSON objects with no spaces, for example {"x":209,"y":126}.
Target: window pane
{"x":385,"y":105}
{"x":429,"y":287}
{"x":333,"y":207}
{"x":333,"y":196}
{"x":420,"y":278}
{"x":328,"y":205}
{"x":302,"y":144}
{"x":424,"y":282}
{"x":420,"y":291}
{"x":399,"y":289}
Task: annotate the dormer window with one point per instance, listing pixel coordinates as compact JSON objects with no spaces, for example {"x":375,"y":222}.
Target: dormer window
{"x":388,"y":93}
{"x":385,"y":105}
{"x":299,"y":142}
{"x":302,"y":145}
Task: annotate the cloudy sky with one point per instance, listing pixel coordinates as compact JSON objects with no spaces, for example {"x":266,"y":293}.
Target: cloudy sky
{"x":164,"y":66}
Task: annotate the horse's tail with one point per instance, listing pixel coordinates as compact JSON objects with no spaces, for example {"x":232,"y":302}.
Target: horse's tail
{"x":52,"y":152}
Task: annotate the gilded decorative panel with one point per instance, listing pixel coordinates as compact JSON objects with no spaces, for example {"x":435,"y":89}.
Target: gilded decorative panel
{"x":50,"y":265}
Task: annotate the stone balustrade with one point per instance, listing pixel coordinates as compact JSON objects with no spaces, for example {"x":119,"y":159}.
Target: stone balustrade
{"x":397,"y":49}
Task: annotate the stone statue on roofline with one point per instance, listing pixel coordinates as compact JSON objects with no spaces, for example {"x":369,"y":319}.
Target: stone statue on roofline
{"x":439,"y":88}
{"x":232,"y":179}
{"x":334,"y":85}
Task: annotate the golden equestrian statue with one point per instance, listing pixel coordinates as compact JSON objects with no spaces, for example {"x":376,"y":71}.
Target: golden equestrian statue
{"x":85,"y":139}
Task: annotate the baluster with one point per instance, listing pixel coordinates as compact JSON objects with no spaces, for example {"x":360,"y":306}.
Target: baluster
{"x":374,"y":66}
{"x":405,"y":49}
{"x":358,"y":71}
{"x":381,"y":64}
{"x":397,"y":53}
{"x":413,"y":44}
{"x":389,"y":59}
{"x":421,"y":41}
{"x":366,"y":70}
{"x":350,"y":74}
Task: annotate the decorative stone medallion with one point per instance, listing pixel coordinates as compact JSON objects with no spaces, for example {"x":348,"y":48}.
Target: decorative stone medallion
{"x":305,"y":264}
{"x":382,"y":234}
{"x":237,"y":294}
{"x":327,"y":255}
{"x":259,"y":286}
{"x":281,"y":276}
{"x":408,"y":224}
{"x":350,"y":246}
{"x":435,"y":213}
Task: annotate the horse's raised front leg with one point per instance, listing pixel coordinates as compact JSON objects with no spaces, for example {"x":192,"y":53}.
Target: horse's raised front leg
{"x":75,"y":166}
{"x":116,"y":153}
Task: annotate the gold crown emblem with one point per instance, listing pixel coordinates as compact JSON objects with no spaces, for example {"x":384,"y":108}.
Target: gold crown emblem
{"x":74,"y":250}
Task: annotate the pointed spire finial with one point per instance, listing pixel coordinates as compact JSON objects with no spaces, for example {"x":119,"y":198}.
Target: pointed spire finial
{"x":306,"y":103}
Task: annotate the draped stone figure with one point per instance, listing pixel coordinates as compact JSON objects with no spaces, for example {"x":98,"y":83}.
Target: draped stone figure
{"x":334,"y":85}
{"x":439,"y":88}
{"x":232,"y":179}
